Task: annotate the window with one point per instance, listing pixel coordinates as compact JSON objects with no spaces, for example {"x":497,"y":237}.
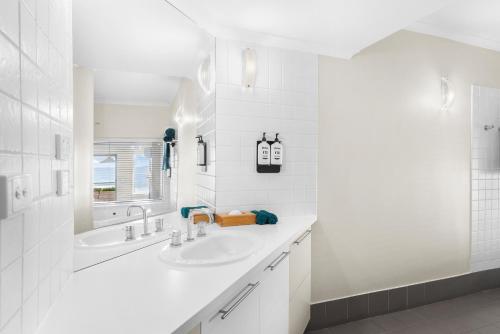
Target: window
{"x":104,"y":177}
{"x":126,"y":171}
{"x":142,"y":172}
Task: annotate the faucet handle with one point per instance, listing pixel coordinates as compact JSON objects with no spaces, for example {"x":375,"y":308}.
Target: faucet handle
{"x":159,"y":225}
{"x":129,"y":233}
{"x":176,"y":239}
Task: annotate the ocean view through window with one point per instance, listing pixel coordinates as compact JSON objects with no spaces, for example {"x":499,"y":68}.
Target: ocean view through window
{"x":104,"y":177}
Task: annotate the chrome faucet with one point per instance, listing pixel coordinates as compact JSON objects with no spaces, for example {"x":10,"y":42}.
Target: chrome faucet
{"x":201,"y":227}
{"x":144,"y":218}
{"x":190,"y":221}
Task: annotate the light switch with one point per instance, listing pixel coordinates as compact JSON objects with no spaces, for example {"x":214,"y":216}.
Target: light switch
{"x":21,"y":193}
{"x":62,"y":147}
{"x":16,"y":194}
{"x":62,"y":182}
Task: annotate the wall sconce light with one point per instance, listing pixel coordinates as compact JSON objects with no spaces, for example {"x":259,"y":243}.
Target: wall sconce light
{"x":447,"y":94}
{"x":249,"y":68}
{"x":204,"y":76}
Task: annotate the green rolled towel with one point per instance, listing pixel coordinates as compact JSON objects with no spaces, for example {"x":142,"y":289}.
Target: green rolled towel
{"x":185,"y":210}
{"x":271,"y":217}
{"x":265,"y":217}
{"x":260,"y":219}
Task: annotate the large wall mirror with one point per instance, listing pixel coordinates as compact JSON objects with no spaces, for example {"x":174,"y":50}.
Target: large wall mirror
{"x":150,"y":66}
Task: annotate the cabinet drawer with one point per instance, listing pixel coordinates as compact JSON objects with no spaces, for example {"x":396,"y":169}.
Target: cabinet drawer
{"x":300,"y":260}
{"x":300,"y":303}
{"x":239,"y":315}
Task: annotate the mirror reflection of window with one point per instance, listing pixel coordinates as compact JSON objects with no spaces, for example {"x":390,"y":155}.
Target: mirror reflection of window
{"x":104,"y":180}
{"x":128,"y":171}
{"x":142,"y":175}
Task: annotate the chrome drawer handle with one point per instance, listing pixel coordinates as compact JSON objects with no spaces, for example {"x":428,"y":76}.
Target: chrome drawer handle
{"x":277,"y":261}
{"x":244,"y":294}
{"x":302,"y":237}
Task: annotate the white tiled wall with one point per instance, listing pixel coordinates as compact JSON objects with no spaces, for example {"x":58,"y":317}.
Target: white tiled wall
{"x":284,"y":100}
{"x":485,"y":214}
{"x":35,"y":104}
{"x":205,"y":178}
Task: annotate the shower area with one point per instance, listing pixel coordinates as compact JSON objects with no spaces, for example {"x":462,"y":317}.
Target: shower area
{"x":485,"y":179}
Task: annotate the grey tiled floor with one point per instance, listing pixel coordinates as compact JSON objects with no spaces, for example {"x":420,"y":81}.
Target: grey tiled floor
{"x":473,"y":314}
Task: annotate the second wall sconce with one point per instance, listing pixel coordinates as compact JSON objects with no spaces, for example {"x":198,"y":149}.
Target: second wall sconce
{"x":447,"y":94}
{"x":249,"y":61}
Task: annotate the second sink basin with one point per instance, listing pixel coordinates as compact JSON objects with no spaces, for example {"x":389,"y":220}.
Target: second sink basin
{"x":114,"y":236}
{"x":217,"y":248}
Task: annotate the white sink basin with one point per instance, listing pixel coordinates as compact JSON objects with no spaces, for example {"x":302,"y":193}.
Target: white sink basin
{"x":114,"y":236}
{"x":217,"y":248}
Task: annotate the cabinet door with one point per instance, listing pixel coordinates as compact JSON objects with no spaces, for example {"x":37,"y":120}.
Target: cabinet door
{"x":274,"y":300}
{"x":300,"y":283}
{"x":300,"y":304}
{"x":240,"y":315}
{"x":300,"y":261}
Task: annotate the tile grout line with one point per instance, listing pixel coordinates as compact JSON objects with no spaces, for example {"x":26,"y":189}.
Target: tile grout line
{"x":23,"y":164}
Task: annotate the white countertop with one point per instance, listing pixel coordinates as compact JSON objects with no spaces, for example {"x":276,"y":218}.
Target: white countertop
{"x":138,"y":294}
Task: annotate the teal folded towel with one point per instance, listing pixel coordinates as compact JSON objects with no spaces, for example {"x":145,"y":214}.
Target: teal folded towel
{"x":169,"y":136}
{"x":263,"y":217}
{"x":185,"y":210}
{"x":271,"y":217}
{"x":259,"y":218}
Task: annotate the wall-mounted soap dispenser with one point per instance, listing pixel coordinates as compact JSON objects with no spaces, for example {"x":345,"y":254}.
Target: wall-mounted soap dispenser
{"x":263,"y":152}
{"x":201,"y":150}
{"x":277,"y":152}
{"x":266,"y":153}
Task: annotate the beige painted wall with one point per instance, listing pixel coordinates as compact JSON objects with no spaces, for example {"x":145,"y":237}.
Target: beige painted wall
{"x":393,"y":190}
{"x":129,"y":121}
{"x":83,"y":134}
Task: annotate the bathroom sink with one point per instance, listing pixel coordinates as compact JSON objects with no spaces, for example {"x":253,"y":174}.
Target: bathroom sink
{"x":217,"y":248}
{"x":115,"y":236}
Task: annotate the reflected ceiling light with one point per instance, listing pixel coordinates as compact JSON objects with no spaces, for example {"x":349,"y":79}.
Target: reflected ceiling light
{"x":204,"y":76}
{"x":179,"y":116}
{"x":249,"y":68}
{"x":447,"y":94}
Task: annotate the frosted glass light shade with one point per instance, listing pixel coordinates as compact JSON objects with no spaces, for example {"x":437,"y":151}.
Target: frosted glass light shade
{"x":249,"y":68}
{"x":447,"y":94}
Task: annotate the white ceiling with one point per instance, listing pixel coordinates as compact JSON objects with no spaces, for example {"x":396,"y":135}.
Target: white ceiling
{"x":338,"y":28}
{"x":114,"y":87}
{"x":147,"y":40}
{"x":475,"y":22}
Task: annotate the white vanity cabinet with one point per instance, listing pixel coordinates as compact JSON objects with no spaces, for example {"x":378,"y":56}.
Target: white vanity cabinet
{"x":274,"y":298}
{"x":300,"y":283}
{"x":261,"y":306}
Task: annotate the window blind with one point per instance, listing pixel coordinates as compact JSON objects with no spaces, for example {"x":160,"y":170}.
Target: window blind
{"x":138,"y":171}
